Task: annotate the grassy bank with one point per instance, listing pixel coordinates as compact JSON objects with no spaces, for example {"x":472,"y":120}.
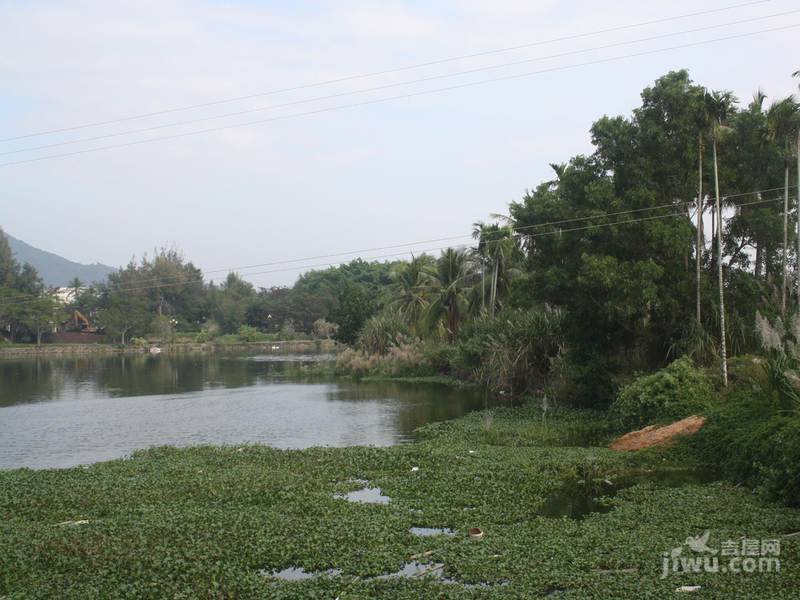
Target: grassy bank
{"x":204,"y":522}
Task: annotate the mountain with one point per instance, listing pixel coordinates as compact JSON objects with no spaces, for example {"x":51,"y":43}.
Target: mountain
{"x":54,"y":269}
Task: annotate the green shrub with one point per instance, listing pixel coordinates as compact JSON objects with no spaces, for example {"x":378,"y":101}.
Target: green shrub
{"x":676,"y":391}
{"x":405,"y":360}
{"x":139,"y":342}
{"x":516,"y":351}
{"x":208,"y":331}
{"x":753,"y":442}
{"x":248,"y":333}
{"x":382,"y":332}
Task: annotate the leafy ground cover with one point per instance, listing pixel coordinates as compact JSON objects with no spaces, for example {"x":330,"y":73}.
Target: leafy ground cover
{"x":212,"y":522}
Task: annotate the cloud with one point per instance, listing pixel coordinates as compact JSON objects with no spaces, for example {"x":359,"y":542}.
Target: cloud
{"x":322,"y":183}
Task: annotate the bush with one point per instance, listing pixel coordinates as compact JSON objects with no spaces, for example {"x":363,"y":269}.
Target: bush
{"x":382,"y":332}
{"x":139,"y":342}
{"x":208,"y":331}
{"x":405,"y":360}
{"x":676,"y":391}
{"x":248,"y":333}
{"x":516,"y":351}
{"x":324,"y":330}
{"x":163,"y":327}
{"x":753,"y":442}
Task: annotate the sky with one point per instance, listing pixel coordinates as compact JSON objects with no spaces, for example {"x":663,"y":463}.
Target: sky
{"x":341,"y":179}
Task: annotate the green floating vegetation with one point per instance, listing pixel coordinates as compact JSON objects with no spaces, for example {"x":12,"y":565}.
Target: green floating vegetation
{"x":218,"y":522}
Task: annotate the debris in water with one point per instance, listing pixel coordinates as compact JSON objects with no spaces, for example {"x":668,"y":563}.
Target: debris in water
{"x":688,"y":588}
{"x":414,"y":469}
{"x":81,"y":522}
{"x":298,"y":574}
{"x":476,"y":533}
{"x":431,"y":531}
{"x":416,"y":569}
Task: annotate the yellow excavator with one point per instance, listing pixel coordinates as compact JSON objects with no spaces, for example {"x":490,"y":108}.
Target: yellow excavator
{"x":81,"y":323}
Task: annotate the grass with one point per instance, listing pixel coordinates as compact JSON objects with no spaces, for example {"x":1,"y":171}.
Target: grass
{"x":435,"y":379}
{"x":201,"y":522}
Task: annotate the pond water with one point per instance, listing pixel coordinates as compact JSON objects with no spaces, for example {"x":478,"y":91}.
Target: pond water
{"x":68,"y":411}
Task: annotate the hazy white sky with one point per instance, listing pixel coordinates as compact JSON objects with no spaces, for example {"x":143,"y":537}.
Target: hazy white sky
{"x":376,"y":175}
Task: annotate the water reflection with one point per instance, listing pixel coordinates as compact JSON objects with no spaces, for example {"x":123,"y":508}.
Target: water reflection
{"x":68,"y":411}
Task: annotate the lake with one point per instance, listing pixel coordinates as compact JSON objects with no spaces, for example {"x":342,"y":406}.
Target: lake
{"x":62,"y":412}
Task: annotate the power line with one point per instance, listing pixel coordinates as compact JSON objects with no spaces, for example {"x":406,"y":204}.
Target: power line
{"x":391,"y":70}
{"x":158,"y":281}
{"x":558,"y":231}
{"x":401,"y":96}
{"x":394,"y":85}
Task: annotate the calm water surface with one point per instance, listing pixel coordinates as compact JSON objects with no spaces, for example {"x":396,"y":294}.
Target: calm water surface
{"x":68,"y":411}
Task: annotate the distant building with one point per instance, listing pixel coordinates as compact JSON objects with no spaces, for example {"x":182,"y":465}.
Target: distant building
{"x":67,"y":294}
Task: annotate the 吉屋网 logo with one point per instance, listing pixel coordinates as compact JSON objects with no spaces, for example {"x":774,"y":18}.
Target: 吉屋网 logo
{"x":741,"y":556}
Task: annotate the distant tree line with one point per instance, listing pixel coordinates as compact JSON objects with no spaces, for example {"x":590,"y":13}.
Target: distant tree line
{"x":666,"y":240}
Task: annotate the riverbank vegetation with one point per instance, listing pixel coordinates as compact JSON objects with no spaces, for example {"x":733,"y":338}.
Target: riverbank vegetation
{"x":558,"y":512}
{"x":599,"y":291}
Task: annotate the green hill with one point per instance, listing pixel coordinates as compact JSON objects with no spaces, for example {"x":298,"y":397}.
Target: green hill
{"x":54,"y":269}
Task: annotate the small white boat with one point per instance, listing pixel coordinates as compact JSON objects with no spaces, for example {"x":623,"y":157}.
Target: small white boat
{"x":155,"y":350}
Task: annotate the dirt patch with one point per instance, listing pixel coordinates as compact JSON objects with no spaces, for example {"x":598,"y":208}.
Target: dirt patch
{"x":655,"y":436}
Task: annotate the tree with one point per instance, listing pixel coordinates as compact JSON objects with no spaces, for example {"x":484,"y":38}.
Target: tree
{"x":782,"y":123}
{"x":41,"y":314}
{"x":27,"y":280}
{"x":752,"y":160}
{"x":125,"y":314}
{"x":720,"y":106}
{"x":446,"y":292}
{"x":231,"y":301}
{"x":497,"y":248}
{"x":353,"y":307}
{"x":75,"y":286}
{"x":12,"y":313}
{"x":408,"y":289}
{"x":8,"y":266}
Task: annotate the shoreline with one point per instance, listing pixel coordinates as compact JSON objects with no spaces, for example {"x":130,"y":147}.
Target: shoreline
{"x":17,"y":351}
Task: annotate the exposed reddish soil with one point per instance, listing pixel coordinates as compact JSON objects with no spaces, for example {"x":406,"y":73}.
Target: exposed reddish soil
{"x":655,"y":436}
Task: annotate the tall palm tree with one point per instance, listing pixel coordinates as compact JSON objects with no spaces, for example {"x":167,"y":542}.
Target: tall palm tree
{"x":497,"y":248}
{"x":702,"y":119}
{"x":408,"y":295}
{"x":446,"y":291}
{"x":719,"y":106}
{"x":797,"y":151}
{"x":781,"y":118}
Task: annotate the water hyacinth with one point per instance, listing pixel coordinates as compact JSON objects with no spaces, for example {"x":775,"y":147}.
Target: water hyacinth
{"x":215,"y":522}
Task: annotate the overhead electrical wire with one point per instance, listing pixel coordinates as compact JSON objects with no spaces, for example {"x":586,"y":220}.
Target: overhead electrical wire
{"x":402,"y":96}
{"x":677,"y":211}
{"x":391,"y":70}
{"x":239,"y":268}
{"x":393,"y":85}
